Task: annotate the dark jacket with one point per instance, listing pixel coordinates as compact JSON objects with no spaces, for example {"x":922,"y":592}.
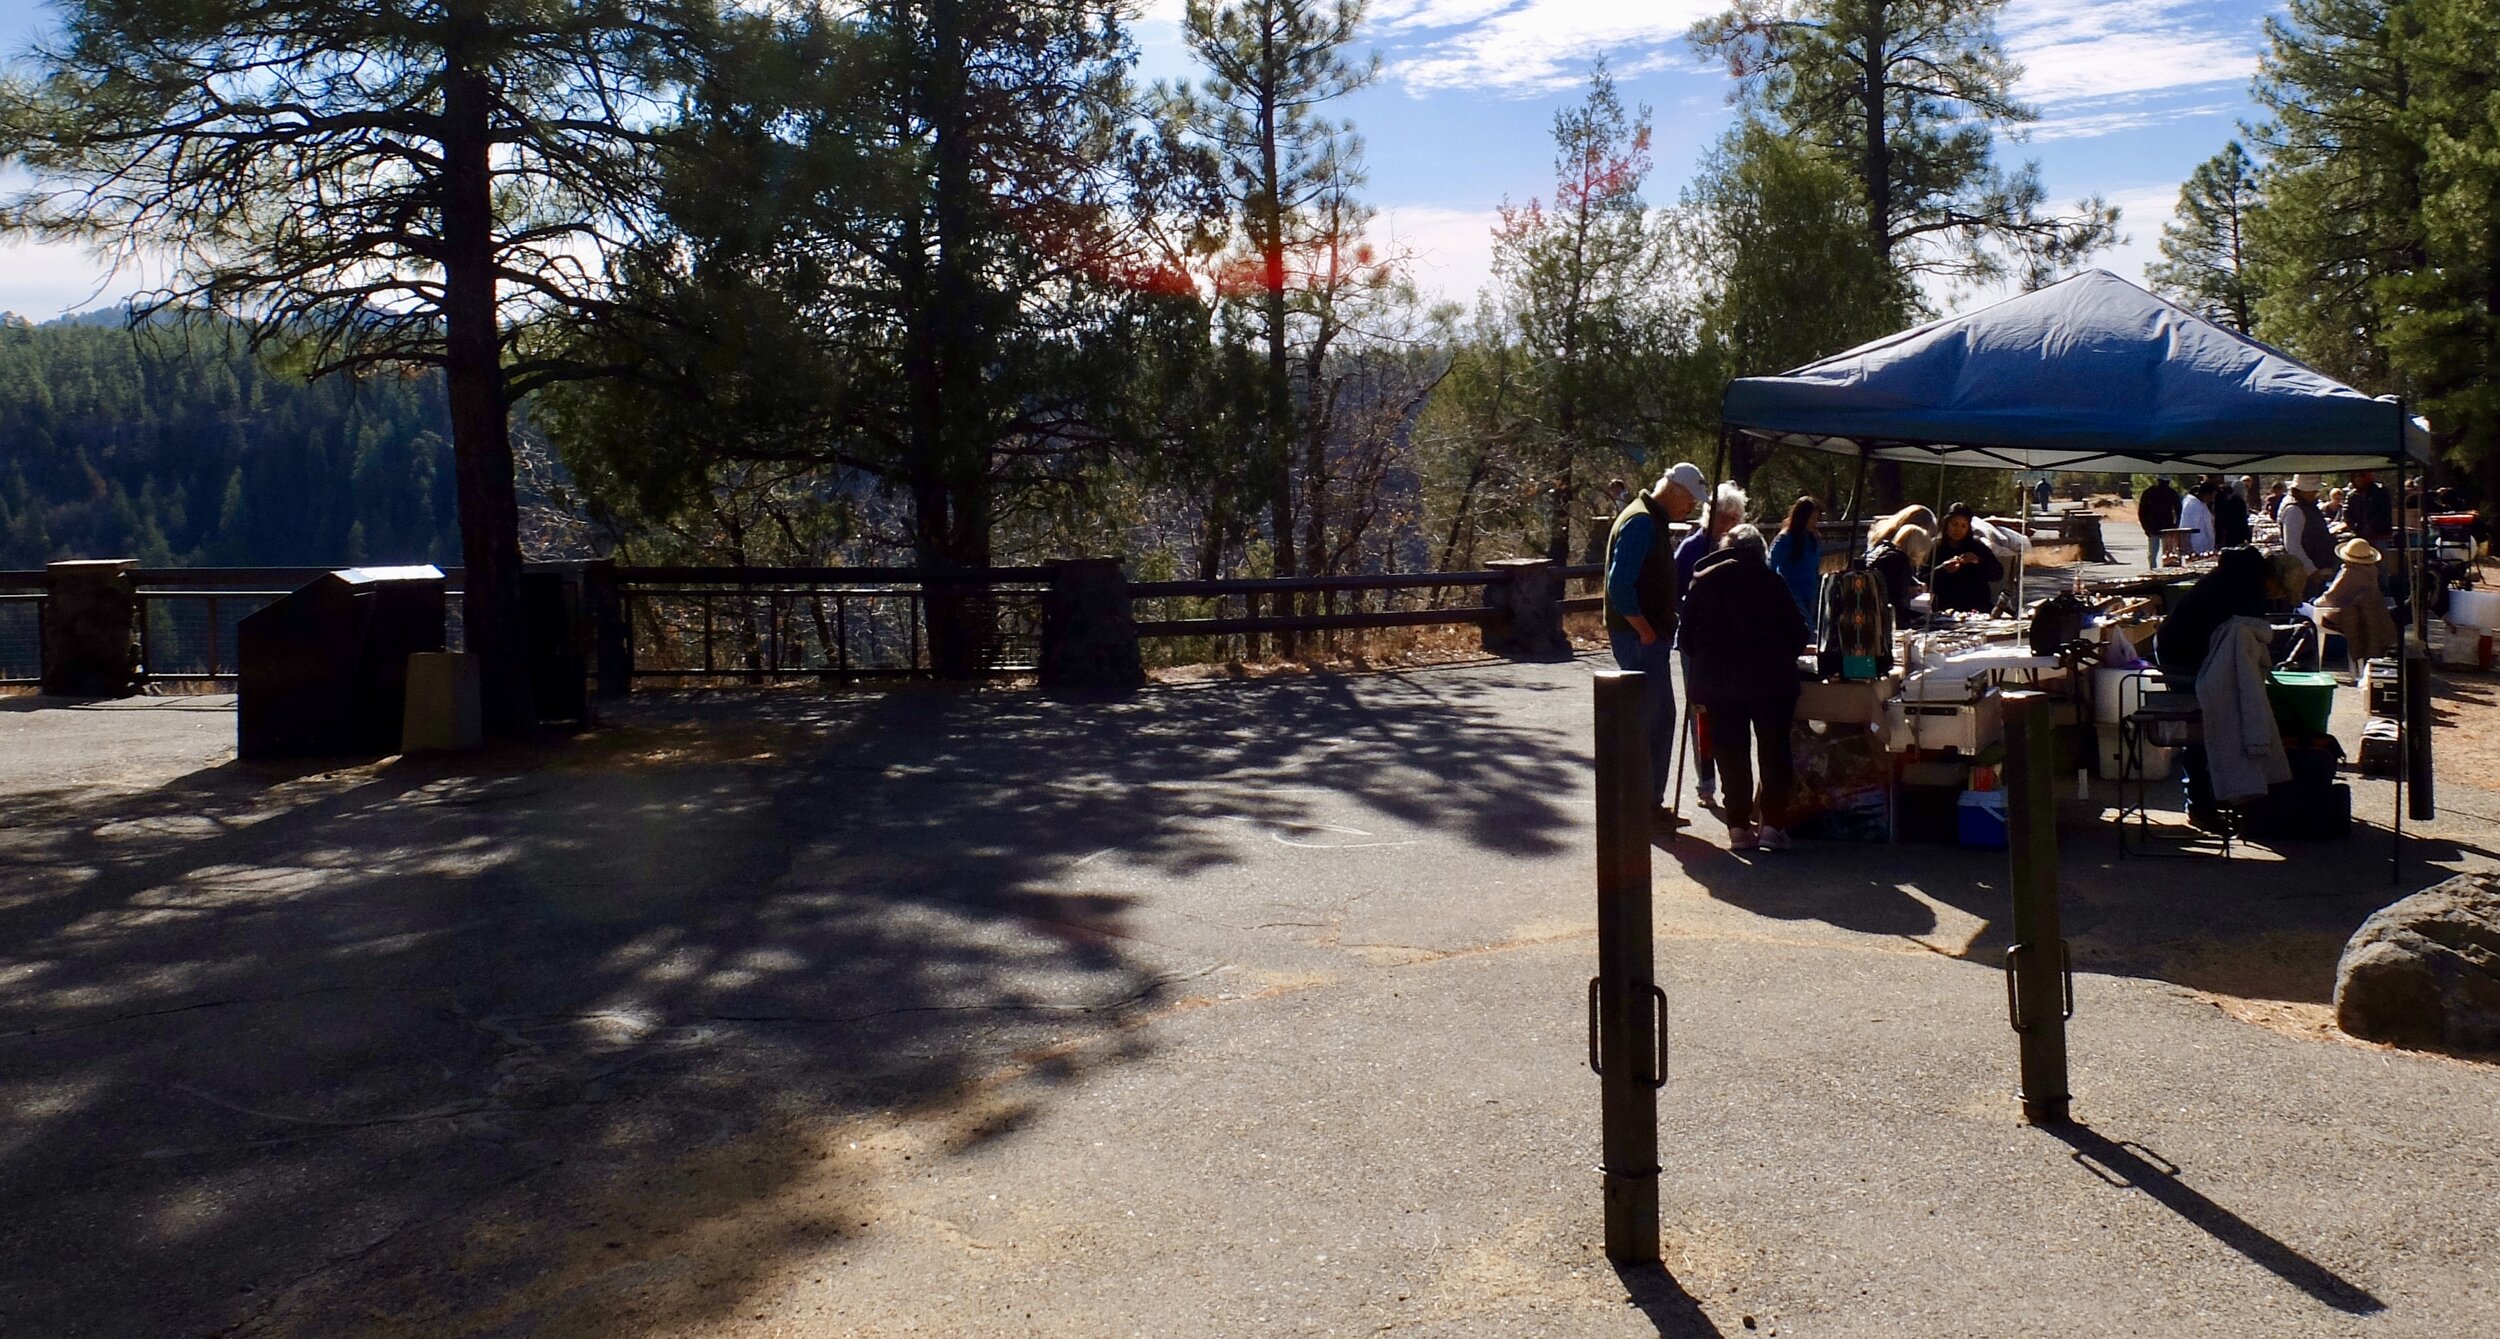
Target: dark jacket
{"x":1900,"y":578}
{"x":2314,"y":541}
{"x":2369,"y":513}
{"x":1742,"y":632}
{"x":2236,"y":587}
{"x":2158,"y":509}
{"x":2231,"y":528}
{"x":1655,"y":585}
{"x":1963,"y":588}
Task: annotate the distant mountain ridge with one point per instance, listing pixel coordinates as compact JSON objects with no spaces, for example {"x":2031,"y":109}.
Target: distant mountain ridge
{"x":177,"y":446}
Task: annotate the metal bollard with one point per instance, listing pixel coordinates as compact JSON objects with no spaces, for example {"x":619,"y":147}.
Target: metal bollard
{"x":1627,"y":1010}
{"x":2039,"y":972}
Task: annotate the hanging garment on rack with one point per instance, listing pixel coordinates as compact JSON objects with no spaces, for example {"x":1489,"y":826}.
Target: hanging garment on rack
{"x":2243,"y":745}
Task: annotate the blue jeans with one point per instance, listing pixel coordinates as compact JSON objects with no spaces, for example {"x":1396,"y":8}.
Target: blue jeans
{"x":1657,"y":661}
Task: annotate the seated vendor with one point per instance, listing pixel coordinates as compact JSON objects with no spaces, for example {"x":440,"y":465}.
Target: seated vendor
{"x":1897,"y":559}
{"x":2241,"y":585}
{"x":2355,"y":606}
{"x":1965,"y":567}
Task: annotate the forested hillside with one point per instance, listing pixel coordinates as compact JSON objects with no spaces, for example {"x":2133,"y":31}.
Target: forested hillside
{"x":179,"y":446}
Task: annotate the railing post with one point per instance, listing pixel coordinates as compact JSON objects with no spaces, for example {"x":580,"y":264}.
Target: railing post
{"x":91,"y":629}
{"x":2039,"y":975}
{"x":1524,"y":611}
{"x":1089,"y":628}
{"x":1627,"y":1011}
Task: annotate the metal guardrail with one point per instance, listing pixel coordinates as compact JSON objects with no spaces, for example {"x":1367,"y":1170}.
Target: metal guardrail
{"x":771,"y":623}
{"x":21,"y":638}
{"x":766,"y":623}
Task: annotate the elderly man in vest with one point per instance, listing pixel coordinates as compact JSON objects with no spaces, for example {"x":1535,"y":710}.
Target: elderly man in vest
{"x":1641,"y":598}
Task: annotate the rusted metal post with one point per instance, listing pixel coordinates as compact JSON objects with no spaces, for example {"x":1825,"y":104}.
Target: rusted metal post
{"x":2039,"y":984}
{"x":1627,"y":1011}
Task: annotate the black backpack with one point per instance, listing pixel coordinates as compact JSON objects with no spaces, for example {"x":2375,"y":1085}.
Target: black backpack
{"x":2057,"y":622}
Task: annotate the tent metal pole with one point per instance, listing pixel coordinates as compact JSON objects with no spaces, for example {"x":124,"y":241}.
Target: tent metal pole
{"x":2405,"y":670}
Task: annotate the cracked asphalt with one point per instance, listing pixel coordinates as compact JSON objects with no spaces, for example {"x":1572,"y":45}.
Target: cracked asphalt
{"x":1228,"y":1009}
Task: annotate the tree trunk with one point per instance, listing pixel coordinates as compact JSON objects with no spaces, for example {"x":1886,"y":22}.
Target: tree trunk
{"x":481,"y":435}
{"x":950,"y":446}
{"x":1271,"y":206}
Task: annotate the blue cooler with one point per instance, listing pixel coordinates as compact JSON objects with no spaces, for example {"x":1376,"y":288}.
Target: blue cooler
{"x":1982,"y":818}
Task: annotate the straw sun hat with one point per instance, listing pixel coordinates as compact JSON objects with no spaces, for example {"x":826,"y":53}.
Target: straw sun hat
{"x":2357,"y":552}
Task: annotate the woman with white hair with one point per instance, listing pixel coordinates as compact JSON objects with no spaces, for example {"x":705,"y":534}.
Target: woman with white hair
{"x":1897,"y":558}
{"x":1742,"y":633}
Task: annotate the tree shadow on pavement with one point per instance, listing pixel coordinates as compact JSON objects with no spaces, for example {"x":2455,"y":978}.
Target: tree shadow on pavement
{"x":598,"y":1037}
{"x":2127,"y":1165}
{"x":2266,"y":924}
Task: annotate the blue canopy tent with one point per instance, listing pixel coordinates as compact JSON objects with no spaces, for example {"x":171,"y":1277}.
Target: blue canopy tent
{"x":2092,"y":374}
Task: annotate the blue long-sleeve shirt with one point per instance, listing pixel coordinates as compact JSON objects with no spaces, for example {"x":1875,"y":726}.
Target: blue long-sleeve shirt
{"x":1623,"y":564}
{"x":1799,"y":562}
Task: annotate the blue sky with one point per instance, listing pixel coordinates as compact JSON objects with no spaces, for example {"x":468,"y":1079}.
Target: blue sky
{"x":2132,"y":94}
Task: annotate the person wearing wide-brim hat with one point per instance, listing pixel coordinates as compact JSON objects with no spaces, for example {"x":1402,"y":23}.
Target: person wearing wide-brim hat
{"x":2354,"y":605}
{"x":2304,"y":530}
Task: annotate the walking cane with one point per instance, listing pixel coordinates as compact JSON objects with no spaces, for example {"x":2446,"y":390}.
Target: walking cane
{"x":1675,"y":794}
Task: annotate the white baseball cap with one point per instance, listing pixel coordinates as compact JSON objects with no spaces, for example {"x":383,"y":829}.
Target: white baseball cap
{"x":1687,"y":476}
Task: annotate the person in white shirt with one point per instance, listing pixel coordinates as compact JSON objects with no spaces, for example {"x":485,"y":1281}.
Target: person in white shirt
{"x":2196,"y":513}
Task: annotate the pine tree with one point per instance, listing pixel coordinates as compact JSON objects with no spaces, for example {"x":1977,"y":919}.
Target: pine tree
{"x":1287,"y":171}
{"x":2206,"y":263}
{"x":1583,"y":284}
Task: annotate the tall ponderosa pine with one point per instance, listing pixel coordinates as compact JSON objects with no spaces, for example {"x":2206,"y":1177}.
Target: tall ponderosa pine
{"x":2443,"y":319}
{"x":2342,"y":181}
{"x":373,"y":184}
{"x":2380,"y":235}
{"x":1910,"y":95}
{"x":1584,"y":286}
{"x":911,"y":244}
{"x":2206,"y":263}
{"x":1288,"y":173}
{"x":1787,"y":269}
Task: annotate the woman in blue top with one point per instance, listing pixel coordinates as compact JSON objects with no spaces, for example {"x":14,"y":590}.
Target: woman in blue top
{"x":1797,"y":556}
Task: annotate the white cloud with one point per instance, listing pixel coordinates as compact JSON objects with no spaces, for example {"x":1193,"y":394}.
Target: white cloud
{"x":40,"y":281}
{"x":2090,"y":125}
{"x":2076,"y":49}
{"x":1522,"y":47}
{"x":1450,"y":250}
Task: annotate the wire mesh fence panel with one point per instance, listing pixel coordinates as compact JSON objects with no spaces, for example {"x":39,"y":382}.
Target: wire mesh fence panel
{"x":192,"y":634}
{"x":775,"y":633}
{"x":21,"y":638}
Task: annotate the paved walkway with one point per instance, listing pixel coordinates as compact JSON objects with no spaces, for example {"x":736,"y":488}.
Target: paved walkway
{"x":1235,"y":1009}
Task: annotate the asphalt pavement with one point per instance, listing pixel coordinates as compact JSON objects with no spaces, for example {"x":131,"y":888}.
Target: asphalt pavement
{"x":1240,"y":1008}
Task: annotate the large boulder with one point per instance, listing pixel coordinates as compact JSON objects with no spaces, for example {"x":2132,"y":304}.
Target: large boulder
{"x":2426,"y":971}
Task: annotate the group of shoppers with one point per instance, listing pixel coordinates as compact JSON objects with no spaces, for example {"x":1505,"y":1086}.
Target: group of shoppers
{"x":1733,"y":607}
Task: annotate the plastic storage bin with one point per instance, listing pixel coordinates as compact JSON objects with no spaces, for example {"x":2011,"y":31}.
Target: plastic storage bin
{"x":1982,"y":819}
{"x":2303,"y":700}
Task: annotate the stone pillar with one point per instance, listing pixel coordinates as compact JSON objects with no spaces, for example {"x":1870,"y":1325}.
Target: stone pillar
{"x":1089,"y":630}
{"x":91,"y":629}
{"x":1524,"y":611}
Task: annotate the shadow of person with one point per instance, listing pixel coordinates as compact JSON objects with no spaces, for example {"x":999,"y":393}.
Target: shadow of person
{"x":2128,"y":1165}
{"x":1665,"y":1302}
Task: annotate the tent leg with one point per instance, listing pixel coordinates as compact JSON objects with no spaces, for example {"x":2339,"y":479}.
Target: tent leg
{"x":2405,"y":669}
